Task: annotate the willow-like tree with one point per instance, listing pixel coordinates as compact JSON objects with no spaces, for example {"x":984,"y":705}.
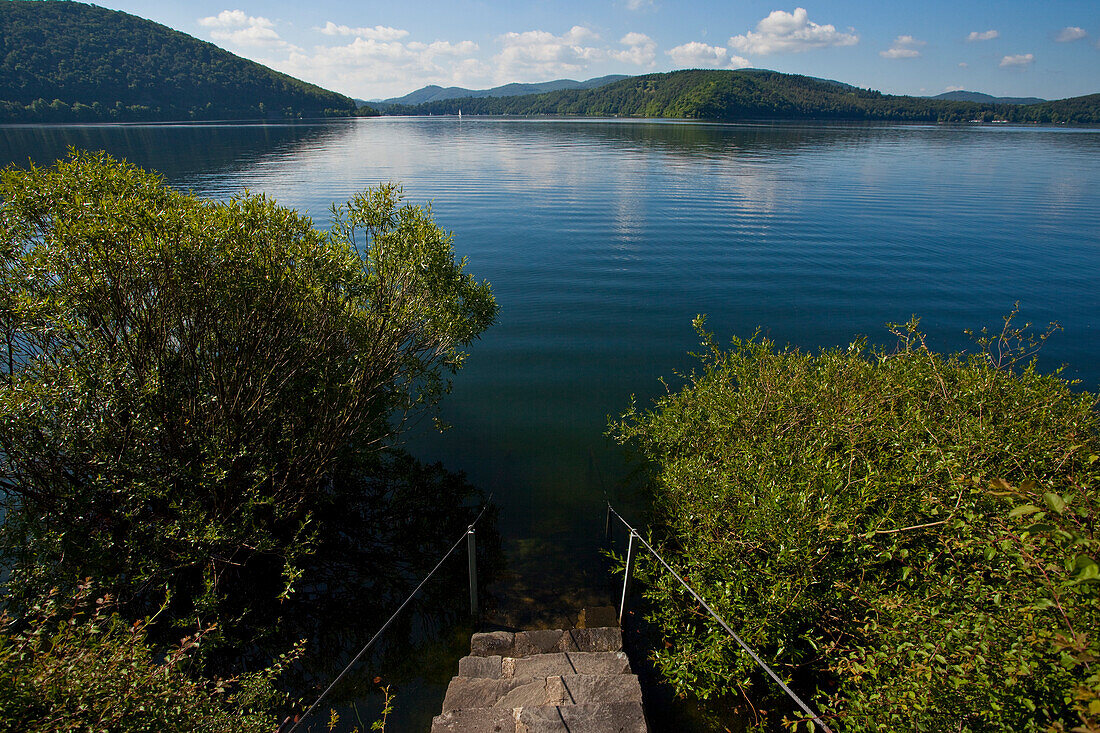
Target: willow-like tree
{"x":184,"y":379}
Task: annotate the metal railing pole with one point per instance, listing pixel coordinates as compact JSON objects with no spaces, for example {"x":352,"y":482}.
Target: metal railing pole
{"x":627,"y":576}
{"x":471,"y":546}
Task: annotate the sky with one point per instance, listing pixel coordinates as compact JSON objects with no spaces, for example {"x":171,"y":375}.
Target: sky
{"x":375,"y":50}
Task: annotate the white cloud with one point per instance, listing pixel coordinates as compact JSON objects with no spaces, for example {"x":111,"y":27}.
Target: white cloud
{"x":1020,"y":60}
{"x":953,"y":88}
{"x":539,"y":55}
{"x":1070,"y":33}
{"x":696,"y":55}
{"x":238,"y":28}
{"x":783,"y":32}
{"x":442,"y":48}
{"x":903,"y":47}
{"x":638,"y":4}
{"x":369,"y":67}
{"x":641,"y":50}
{"x":988,"y":35}
{"x":963,"y":64}
{"x":377,"y":33}
{"x":384,"y":62}
{"x":229,"y":19}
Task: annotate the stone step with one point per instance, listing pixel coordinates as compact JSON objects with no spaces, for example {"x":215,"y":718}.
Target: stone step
{"x":612,"y":717}
{"x":544,"y":665}
{"x":545,"y":681}
{"x":546,"y":641}
{"x":554,"y":690}
{"x":617,"y":717}
{"x":475,"y":720}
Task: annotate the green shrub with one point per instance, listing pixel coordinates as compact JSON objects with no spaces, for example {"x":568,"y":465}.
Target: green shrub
{"x":183,"y":380}
{"x":77,"y":666}
{"x":909,"y":536}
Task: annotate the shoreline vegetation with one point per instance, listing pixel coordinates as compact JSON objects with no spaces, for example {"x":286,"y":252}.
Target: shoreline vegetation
{"x":909,"y":537}
{"x":201,"y":408}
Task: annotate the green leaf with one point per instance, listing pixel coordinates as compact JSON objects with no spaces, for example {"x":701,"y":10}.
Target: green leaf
{"x":1055,"y":502}
{"x":1023,"y":510}
{"x":1089,"y":572}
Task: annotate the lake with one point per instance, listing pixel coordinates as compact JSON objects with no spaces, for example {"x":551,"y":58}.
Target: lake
{"x":604,"y":238}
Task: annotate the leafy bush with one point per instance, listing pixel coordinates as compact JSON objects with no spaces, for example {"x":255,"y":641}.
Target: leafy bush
{"x":911,"y":537}
{"x":183,"y":379}
{"x":77,"y":666}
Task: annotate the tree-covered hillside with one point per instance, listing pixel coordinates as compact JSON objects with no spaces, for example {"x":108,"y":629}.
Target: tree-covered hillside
{"x":435,"y":93}
{"x":62,"y":61}
{"x":756,"y":94}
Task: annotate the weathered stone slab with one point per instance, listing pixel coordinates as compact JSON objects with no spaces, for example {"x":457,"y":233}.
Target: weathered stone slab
{"x":535,"y":692}
{"x":601,"y":639}
{"x":555,"y":692}
{"x":475,"y":720}
{"x":528,"y":643}
{"x":581,"y":689}
{"x":480,"y":667}
{"x":493,"y":644}
{"x":565,"y":663}
{"x":597,"y":616}
{"x":593,"y":718}
{"x":576,"y":681}
{"x":477,"y":692}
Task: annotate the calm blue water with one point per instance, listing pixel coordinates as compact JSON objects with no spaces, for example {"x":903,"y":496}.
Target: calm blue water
{"x":603,"y":239}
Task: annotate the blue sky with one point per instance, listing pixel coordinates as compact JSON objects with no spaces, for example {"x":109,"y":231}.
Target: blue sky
{"x":370,"y":49}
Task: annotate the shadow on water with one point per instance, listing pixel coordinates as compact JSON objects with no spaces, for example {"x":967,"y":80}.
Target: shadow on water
{"x":373,"y":547}
{"x":180,"y":152}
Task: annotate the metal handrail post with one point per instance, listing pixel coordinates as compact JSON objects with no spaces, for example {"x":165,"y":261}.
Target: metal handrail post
{"x":471,"y":547}
{"x":627,"y":575}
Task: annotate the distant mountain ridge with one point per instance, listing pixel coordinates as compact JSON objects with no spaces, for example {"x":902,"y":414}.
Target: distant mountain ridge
{"x":979,"y":97}
{"x":435,"y":93}
{"x":65,"y":61}
{"x":755,"y":94}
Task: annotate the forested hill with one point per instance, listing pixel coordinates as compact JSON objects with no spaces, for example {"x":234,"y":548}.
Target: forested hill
{"x":64,"y":61}
{"x":434,"y":93}
{"x":756,"y":94}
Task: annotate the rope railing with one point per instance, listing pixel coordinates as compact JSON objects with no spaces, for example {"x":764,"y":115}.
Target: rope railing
{"x":469,"y":537}
{"x":630,"y":557}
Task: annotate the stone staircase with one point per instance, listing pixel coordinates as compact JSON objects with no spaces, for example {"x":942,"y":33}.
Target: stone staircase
{"x":578,"y":680}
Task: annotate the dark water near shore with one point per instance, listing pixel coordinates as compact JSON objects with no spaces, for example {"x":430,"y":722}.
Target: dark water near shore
{"x":603,"y":239}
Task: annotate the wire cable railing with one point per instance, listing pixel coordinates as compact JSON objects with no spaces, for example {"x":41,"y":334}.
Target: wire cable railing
{"x":630,"y":557}
{"x":469,"y":537}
